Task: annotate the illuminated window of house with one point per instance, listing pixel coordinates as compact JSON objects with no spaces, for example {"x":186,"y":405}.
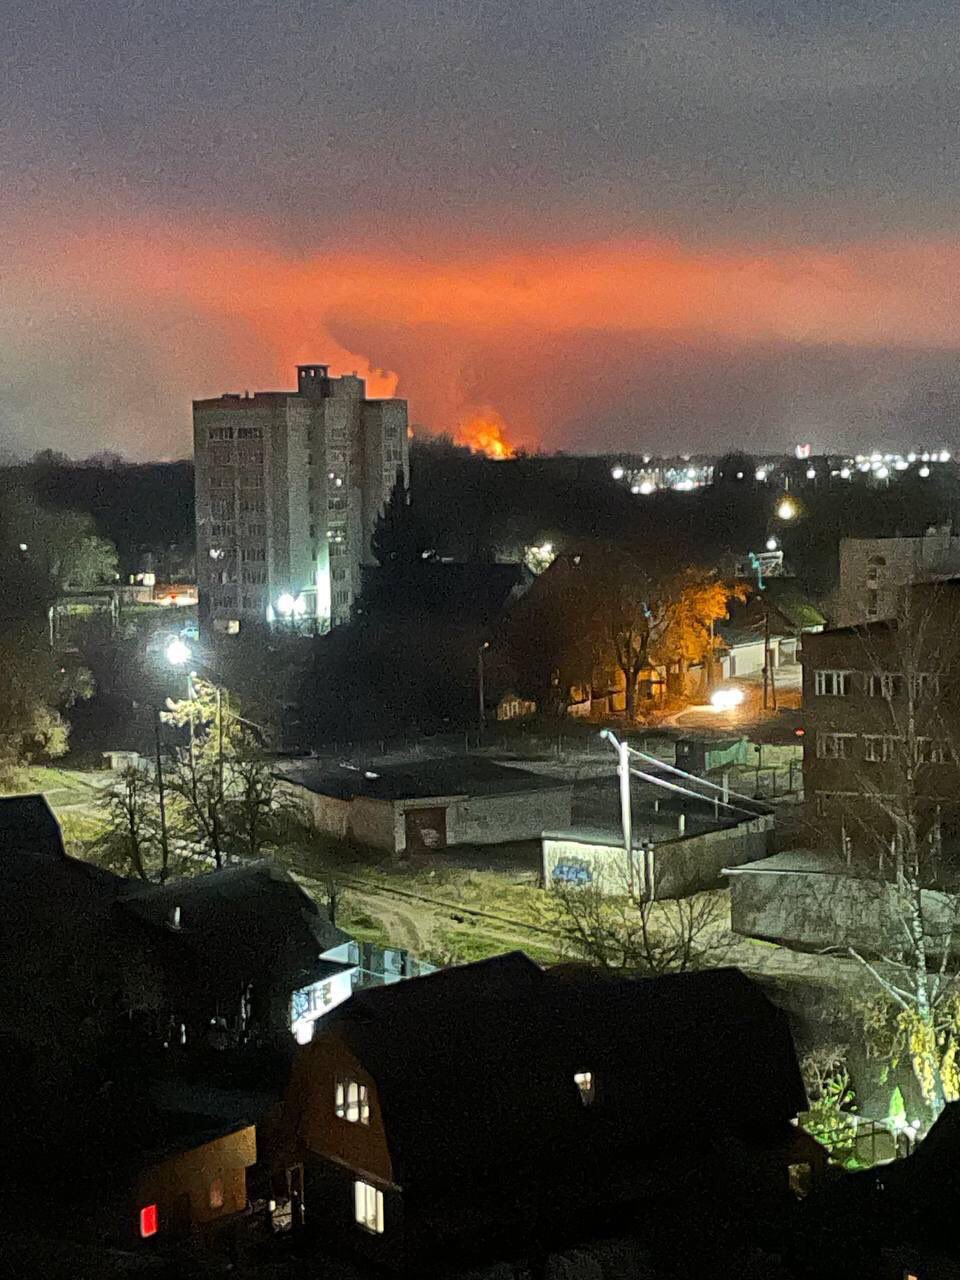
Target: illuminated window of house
{"x":368,"y":1207}
{"x":216,"y":1193}
{"x":584,"y":1082}
{"x":352,"y":1102}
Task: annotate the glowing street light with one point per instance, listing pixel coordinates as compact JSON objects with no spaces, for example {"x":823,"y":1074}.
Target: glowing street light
{"x":285,"y":605}
{"x":726,"y":699}
{"x":772,"y":544}
{"x":178,"y":654}
{"x":923,"y":472}
{"x":786,"y":509}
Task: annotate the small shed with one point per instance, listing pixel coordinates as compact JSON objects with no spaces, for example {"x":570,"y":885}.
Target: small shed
{"x":701,"y":755}
{"x":419,"y":807}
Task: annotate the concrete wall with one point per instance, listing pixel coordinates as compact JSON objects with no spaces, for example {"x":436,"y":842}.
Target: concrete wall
{"x":326,"y":813}
{"x":378,"y":823}
{"x":514,"y":816}
{"x":675,"y":868}
{"x":816,"y":910}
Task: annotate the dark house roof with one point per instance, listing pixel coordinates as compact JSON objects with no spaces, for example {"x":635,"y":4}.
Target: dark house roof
{"x":474,"y":1067}
{"x":28,"y":825}
{"x":238,"y":920}
{"x":450,"y":776}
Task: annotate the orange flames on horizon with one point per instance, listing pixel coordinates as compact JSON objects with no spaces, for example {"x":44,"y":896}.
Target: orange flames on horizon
{"x":486,"y":432}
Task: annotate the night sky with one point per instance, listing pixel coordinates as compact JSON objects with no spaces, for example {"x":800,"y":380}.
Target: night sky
{"x":630,"y":224}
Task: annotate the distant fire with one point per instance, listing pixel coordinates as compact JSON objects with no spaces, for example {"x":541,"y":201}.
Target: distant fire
{"x":485,"y":432}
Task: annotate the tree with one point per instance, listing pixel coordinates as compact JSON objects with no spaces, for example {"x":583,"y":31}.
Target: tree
{"x":897,"y":831}
{"x":629,"y":931}
{"x":395,"y":540}
{"x":133,"y":838}
{"x":647,"y":614}
{"x":229,"y":802}
{"x":60,"y":550}
{"x":35,"y":689}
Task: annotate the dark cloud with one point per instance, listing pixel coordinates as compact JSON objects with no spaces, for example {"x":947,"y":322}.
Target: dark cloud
{"x":408,"y":126}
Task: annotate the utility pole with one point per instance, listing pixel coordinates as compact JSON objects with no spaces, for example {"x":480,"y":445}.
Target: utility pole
{"x":161,"y":798}
{"x":481,"y":693}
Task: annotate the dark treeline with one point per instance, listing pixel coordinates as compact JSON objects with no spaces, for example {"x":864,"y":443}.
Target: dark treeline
{"x":141,"y":508}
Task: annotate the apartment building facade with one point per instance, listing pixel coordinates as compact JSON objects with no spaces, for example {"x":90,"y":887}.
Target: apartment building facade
{"x":881,"y":746}
{"x":875,"y":572}
{"x":289,"y":485}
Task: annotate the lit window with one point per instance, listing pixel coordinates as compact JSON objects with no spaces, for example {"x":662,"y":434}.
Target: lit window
{"x":148,"y":1221}
{"x":216,"y":1193}
{"x":584,"y":1082}
{"x":368,"y":1207}
{"x":352,"y":1102}
{"x":833,"y":684}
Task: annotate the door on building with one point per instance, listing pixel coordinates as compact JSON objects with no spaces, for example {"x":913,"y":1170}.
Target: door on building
{"x":425,"y":829}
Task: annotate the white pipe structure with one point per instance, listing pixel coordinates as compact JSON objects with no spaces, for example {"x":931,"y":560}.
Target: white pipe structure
{"x":685,"y":791}
{"x":714,"y":786}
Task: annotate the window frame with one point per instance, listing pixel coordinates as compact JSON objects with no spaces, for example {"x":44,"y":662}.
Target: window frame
{"x":368,"y":1207}
{"x":837,"y":738}
{"x":840,"y":678}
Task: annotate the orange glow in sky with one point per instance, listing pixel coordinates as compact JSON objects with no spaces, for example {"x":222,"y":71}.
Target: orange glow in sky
{"x":485,"y":432}
{"x":172,"y":312}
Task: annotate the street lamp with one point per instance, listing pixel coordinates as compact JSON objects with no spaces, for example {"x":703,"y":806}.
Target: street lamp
{"x":178,"y":655}
{"x":481,"y":695}
{"x":786,"y":509}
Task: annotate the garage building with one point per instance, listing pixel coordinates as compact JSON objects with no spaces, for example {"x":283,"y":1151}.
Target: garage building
{"x":415,"y":808}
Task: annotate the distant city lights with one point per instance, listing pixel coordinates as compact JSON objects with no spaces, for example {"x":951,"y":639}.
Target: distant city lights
{"x":683,"y":473}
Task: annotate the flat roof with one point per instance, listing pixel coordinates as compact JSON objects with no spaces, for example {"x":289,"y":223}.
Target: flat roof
{"x":421,"y":780}
{"x":792,"y":861}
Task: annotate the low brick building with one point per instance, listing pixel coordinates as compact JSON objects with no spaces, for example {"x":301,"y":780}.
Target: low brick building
{"x":429,"y":805}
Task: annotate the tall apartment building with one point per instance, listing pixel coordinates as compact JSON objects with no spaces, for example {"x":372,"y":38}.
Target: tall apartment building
{"x":288,"y":487}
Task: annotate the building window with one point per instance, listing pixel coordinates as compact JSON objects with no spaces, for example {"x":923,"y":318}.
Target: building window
{"x":216,"y":1193}
{"x":930,"y":751}
{"x":873,"y":602}
{"x":832,"y":684}
{"x":926,"y":684}
{"x":835,"y":746}
{"x":368,"y":1207}
{"x":884,"y":684}
{"x":587,"y":1089}
{"x":249,"y":433}
{"x":879,"y":748}
{"x":352,"y":1102}
{"x":341,"y":598}
{"x":220,"y":433}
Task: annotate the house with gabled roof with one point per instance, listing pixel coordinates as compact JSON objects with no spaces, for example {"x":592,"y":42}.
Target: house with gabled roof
{"x":492,"y":1104}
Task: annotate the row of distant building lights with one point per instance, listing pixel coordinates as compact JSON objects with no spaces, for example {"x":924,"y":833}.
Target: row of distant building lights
{"x":876,"y":464}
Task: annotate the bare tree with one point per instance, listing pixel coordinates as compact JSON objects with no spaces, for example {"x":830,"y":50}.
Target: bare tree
{"x":627,"y":931}
{"x":132,"y":840}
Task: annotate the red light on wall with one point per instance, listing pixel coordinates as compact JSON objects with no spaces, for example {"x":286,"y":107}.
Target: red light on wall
{"x":799,"y":732}
{"x":148,"y":1221}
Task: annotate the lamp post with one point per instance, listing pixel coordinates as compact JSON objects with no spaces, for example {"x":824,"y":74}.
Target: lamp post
{"x":180,"y":654}
{"x":481,"y":692}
